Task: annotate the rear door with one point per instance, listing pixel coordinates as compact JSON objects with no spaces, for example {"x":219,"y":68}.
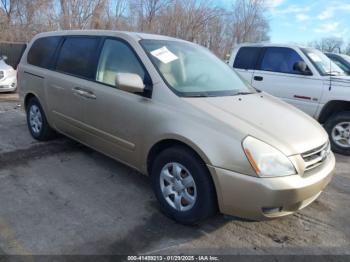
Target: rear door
{"x":245,"y":61}
{"x":276,"y":75}
{"x":66,"y":86}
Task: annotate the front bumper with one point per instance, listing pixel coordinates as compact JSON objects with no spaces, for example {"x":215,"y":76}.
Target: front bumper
{"x":7,"y":88}
{"x":263,"y":198}
{"x":8,"y":84}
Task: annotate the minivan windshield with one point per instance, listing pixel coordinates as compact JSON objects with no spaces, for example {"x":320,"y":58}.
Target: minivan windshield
{"x":191,"y":70}
{"x":323,"y":64}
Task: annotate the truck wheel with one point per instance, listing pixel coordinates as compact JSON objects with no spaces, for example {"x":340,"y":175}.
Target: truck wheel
{"x":338,"y":128}
{"x":38,"y":126}
{"x":183,"y":186}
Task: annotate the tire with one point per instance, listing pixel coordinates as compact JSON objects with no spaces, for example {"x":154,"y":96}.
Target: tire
{"x":203,"y":191}
{"x":336,"y":124}
{"x":37,"y":123}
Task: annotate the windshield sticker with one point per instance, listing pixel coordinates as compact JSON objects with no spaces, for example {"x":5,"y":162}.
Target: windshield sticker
{"x":164,"y":55}
{"x":314,"y":57}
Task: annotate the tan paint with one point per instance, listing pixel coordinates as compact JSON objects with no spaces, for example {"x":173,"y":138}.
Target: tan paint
{"x":125,"y":126}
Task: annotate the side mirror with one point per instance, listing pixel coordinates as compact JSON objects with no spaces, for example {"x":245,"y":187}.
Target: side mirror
{"x":4,"y":57}
{"x":301,"y":67}
{"x":129,"y":82}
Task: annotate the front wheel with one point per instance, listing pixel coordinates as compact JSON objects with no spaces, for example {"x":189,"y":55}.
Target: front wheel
{"x":183,"y":186}
{"x":338,"y":128}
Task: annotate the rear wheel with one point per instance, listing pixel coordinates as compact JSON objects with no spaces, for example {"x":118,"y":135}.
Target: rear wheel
{"x":38,"y":126}
{"x":338,"y":128}
{"x":183,"y":186}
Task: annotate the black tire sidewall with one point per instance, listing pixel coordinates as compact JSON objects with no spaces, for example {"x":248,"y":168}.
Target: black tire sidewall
{"x":206,"y":202}
{"x":330,"y":124}
{"x":45,"y":132}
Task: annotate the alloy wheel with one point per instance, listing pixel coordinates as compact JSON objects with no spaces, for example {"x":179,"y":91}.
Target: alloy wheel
{"x":35,"y":119}
{"x":341,"y":134}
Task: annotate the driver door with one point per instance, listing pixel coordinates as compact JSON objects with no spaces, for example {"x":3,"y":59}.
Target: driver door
{"x":115,"y":119}
{"x":277,"y":75}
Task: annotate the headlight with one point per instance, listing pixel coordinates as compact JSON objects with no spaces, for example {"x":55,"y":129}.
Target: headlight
{"x":266,"y":160}
{"x":1,"y":74}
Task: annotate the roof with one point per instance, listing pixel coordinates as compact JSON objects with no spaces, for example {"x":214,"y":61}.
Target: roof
{"x":337,"y":54}
{"x":270,"y":45}
{"x":137,"y":36}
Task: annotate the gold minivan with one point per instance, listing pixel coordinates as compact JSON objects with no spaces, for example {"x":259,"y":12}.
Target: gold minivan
{"x":171,"y":109}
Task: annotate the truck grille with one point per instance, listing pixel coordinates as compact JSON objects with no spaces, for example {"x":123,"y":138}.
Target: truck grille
{"x":316,"y":157}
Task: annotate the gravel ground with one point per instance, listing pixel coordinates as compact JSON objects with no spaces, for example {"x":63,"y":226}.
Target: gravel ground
{"x":61,"y":197}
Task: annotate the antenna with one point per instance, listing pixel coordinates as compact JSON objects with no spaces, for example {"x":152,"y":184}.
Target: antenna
{"x":330,"y":74}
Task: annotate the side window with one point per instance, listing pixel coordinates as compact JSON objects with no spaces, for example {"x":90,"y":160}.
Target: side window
{"x":42,"y":51}
{"x":280,"y":59}
{"x":77,"y":56}
{"x":117,"y":57}
{"x":341,"y":64}
{"x":246,"y":58}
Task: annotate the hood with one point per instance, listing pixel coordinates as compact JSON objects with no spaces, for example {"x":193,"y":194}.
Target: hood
{"x":340,"y":80}
{"x":266,"y":118}
{"x":4,"y":66}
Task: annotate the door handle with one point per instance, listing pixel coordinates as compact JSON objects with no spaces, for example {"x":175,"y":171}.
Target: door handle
{"x":84,"y":93}
{"x":258,"y":78}
{"x":78,"y":91}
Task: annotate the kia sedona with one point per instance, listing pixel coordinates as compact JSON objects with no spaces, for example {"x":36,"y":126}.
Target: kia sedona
{"x":174,"y":111}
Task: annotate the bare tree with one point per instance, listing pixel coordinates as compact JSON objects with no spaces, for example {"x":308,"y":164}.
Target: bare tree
{"x":198,"y":21}
{"x":347,"y":49}
{"x":188,"y":19}
{"x":121,"y":20}
{"x":249,"y":23}
{"x":77,"y":14}
{"x":330,"y":44}
{"x":147,"y":11}
{"x":25,"y":18}
{"x":152,"y":7}
{"x":7,"y":12}
{"x":7,"y":6}
{"x":97,"y":13}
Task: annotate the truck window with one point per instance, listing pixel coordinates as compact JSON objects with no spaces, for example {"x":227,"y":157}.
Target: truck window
{"x":246,"y":58}
{"x":281,"y":60}
{"x":42,"y":51}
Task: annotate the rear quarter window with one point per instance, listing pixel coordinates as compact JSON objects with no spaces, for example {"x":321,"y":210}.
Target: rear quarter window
{"x":247,"y":58}
{"x":42,"y":51}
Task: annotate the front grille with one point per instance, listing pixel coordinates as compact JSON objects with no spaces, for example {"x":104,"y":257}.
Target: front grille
{"x":1,"y":75}
{"x":316,"y":157}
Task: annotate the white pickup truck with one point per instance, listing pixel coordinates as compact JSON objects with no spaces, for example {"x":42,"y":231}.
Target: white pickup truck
{"x":303,"y":77}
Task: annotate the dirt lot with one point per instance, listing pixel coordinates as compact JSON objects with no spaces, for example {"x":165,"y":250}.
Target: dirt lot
{"x":63,"y":198}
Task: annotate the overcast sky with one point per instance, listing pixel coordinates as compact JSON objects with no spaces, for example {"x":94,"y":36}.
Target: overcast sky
{"x":303,"y":21}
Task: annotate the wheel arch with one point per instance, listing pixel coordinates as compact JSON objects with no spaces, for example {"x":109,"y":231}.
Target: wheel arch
{"x":165,"y":143}
{"x":27,"y":97}
{"x":332,"y":107}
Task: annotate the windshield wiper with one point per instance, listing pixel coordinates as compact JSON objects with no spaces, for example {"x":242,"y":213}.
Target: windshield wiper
{"x":242,"y":93}
{"x":202,"y":94}
{"x":333,"y":73}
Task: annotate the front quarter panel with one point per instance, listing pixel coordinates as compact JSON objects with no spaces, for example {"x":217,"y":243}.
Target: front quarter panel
{"x":218,"y":145}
